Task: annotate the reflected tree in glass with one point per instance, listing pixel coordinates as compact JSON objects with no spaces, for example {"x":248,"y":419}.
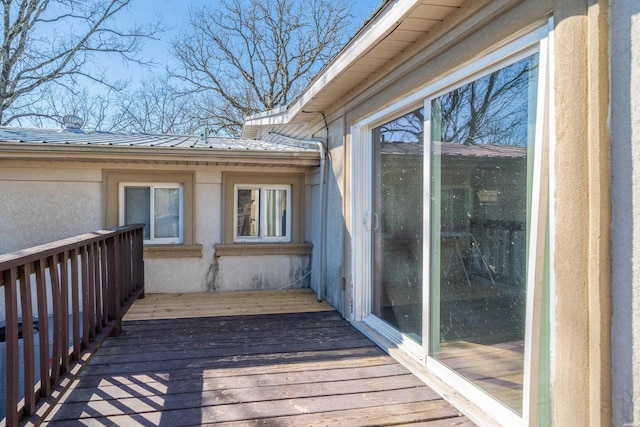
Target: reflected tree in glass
{"x":481,"y":137}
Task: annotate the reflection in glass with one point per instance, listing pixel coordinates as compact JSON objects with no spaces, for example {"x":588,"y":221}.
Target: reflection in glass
{"x":137,"y":208}
{"x":166,"y":213}
{"x":397,"y":223}
{"x":481,"y":136}
{"x":248,"y":211}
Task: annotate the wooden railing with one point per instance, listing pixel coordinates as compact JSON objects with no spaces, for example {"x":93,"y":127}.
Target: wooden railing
{"x":69,"y":294}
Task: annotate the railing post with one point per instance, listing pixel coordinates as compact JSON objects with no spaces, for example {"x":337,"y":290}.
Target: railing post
{"x":43,"y":325}
{"x":75,"y":304}
{"x":52,"y":261}
{"x":27,"y":339}
{"x":64,"y":308}
{"x":11,"y":338}
{"x":84,"y":262}
{"x":138,"y":260}
{"x":111,"y":277}
{"x":104,"y":282}
{"x":117,"y":282}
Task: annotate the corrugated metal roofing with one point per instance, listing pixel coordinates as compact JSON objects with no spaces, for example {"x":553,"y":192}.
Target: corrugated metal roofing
{"x":118,"y":139}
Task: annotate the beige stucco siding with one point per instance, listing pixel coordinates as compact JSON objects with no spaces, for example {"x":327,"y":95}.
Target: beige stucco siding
{"x":48,"y":201}
{"x":260,"y":272}
{"x":43,"y":202}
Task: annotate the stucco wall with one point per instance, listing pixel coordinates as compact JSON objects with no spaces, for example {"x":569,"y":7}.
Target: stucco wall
{"x":47,"y":201}
{"x":42,"y":202}
{"x":335,"y":223}
{"x":263,"y":272}
{"x":625,"y":180}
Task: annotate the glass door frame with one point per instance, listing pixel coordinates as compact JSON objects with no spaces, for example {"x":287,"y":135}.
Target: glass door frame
{"x":537,"y":41}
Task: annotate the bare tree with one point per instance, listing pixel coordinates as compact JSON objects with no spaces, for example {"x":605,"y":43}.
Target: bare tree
{"x":51,"y":42}
{"x":155,"y":107}
{"x":94,"y":109}
{"x":241,"y":57}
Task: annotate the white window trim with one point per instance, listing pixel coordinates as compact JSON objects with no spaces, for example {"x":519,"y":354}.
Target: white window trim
{"x":537,"y":41}
{"x":263,"y":213}
{"x":152,"y":186}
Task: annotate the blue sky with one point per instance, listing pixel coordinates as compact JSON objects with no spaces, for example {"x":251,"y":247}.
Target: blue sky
{"x":174,"y":15}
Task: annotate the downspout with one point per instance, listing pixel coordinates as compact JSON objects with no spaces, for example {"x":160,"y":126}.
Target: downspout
{"x":322,"y":148}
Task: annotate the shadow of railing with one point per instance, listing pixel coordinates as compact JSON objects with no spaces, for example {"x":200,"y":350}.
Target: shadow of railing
{"x":70,"y":295}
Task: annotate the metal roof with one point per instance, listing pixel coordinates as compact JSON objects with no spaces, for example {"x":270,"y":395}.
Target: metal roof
{"x":114,"y":147}
{"x":118,"y":139}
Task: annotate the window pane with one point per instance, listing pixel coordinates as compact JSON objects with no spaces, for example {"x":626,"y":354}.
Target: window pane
{"x":166,"y":206}
{"x":398,"y":223}
{"x":248,"y":211}
{"x":137,"y":207}
{"x":481,"y":135}
{"x":276,"y":213}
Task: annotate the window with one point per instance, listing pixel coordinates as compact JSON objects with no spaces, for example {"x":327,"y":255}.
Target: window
{"x":158,"y":206}
{"x":262,"y":213}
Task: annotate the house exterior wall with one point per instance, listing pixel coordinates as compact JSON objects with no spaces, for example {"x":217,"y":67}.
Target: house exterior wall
{"x":625,"y":195}
{"x":335,"y":224}
{"x":48,"y":201}
{"x":41,"y":203}
{"x":580,"y":365}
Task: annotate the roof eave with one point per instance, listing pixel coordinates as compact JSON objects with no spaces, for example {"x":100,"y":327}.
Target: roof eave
{"x":95,"y":153}
{"x":384,"y":20}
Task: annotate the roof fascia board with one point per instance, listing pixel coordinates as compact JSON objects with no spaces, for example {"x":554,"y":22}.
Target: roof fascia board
{"x":373,"y":32}
{"x":201,"y":155}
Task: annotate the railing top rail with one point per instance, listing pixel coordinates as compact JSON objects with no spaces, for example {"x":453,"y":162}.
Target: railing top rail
{"x":35,"y":253}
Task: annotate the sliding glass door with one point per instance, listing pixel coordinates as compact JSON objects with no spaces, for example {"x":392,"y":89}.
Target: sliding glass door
{"x":482,"y":134}
{"x":397,"y":223}
{"x":451,"y":260}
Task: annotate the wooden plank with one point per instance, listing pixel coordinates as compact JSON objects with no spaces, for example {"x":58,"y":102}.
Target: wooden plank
{"x":430,"y":413}
{"x":75,"y":305}
{"x":233,"y":360}
{"x":29,"y":376}
{"x":112,"y":404}
{"x":52,"y":262}
{"x":120,"y":387}
{"x":277,"y":369}
{"x":167,"y":306}
{"x":43,"y":325}
{"x":94,"y":381}
{"x":64,"y":311}
{"x":234,"y":405}
{"x":9,"y":281}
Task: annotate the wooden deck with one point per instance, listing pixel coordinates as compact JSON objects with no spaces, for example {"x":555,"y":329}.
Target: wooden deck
{"x":245,"y":359}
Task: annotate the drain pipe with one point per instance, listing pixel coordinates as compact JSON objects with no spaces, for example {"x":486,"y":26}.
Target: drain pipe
{"x":322,"y":147}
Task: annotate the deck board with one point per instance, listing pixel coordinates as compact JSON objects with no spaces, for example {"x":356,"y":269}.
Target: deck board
{"x":285,"y":369}
{"x":172,"y":306}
